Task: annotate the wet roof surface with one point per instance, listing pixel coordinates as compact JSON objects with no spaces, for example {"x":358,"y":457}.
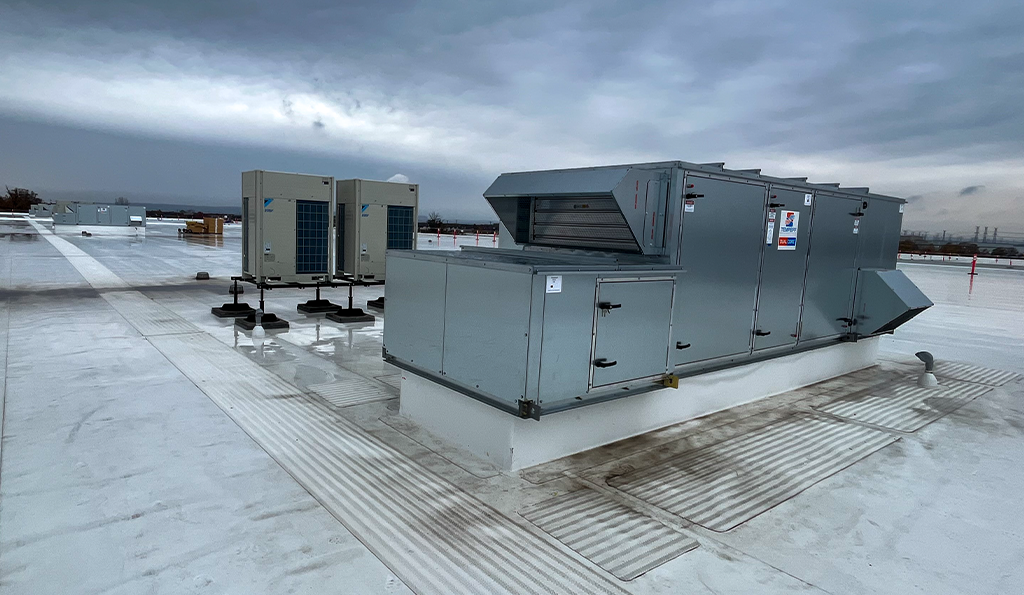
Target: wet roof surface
{"x":148,"y":447}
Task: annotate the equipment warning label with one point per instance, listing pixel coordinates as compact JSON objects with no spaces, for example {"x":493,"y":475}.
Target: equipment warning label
{"x":788,"y":230}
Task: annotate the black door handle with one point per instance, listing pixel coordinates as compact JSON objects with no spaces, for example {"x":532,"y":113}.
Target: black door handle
{"x":604,"y":363}
{"x":857,"y":214}
{"x":775,"y":205}
{"x":608,"y":306}
{"x":761,"y":333}
{"x":847,"y":321}
{"x":692,"y":195}
{"x":680,"y":345}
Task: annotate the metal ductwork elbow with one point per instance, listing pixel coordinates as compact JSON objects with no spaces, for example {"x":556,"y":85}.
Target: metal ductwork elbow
{"x":885,"y":300}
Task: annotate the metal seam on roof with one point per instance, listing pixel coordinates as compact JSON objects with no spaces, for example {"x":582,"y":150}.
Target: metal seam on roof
{"x":906,"y":407}
{"x":977,"y":374}
{"x":434,"y":536}
{"x":609,"y":534}
{"x":349,"y":392}
{"x":724,"y":485}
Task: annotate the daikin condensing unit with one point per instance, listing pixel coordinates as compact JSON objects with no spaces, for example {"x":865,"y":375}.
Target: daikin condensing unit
{"x":373,"y":217}
{"x":286,"y":227}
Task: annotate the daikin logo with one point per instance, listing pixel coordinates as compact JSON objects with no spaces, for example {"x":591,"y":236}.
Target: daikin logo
{"x":266,"y":203}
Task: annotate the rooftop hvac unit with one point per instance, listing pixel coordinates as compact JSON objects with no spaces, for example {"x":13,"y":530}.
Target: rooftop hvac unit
{"x":634,"y":275}
{"x":286,"y":227}
{"x":76,"y":213}
{"x":373,"y":217}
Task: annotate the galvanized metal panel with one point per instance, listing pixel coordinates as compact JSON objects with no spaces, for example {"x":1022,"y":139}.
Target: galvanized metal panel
{"x":102,"y":214}
{"x":879,"y":234}
{"x":118,"y":214}
{"x":632,"y":334}
{"x":535,"y":338}
{"x":620,"y":208}
{"x":831,"y":268}
{"x":87,"y":215}
{"x":720,"y":254}
{"x":567,"y":339}
{"x":486,"y":328}
{"x":639,"y":198}
{"x":589,"y":181}
{"x":414,"y":326}
{"x":782,"y":271}
{"x":885,"y":300}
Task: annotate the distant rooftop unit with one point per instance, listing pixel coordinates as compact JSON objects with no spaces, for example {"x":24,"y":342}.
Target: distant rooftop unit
{"x":77,"y":213}
{"x":40,"y":210}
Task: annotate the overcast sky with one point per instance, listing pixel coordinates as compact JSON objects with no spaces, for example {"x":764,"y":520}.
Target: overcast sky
{"x":174,"y":99}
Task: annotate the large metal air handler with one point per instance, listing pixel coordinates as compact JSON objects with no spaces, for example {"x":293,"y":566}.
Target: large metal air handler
{"x":635,"y":275}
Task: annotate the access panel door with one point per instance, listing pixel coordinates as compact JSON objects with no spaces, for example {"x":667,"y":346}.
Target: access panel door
{"x":879,"y":233}
{"x":787,"y":229}
{"x":631,"y":330}
{"x":720,"y":253}
{"x":831,"y":268}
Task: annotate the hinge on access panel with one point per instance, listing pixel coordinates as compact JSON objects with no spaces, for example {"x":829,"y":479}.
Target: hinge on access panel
{"x":529,"y":410}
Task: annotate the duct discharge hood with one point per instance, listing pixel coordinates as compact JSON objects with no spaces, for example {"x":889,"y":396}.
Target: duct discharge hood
{"x":885,"y":300}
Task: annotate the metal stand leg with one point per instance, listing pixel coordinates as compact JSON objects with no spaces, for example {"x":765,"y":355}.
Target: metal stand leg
{"x":234,"y":308}
{"x":269,"y":321}
{"x":350,"y":314}
{"x":317,"y":305}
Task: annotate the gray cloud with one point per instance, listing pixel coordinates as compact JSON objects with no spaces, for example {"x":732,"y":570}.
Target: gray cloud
{"x":911,"y":97}
{"x":969,"y":190}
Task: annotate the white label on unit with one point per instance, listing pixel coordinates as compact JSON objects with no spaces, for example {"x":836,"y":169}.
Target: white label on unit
{"x":788,"y":230}
{"x":554,"y":284}
{"x":807,"y":199}
{"x":856,"y":226}
{"x":901,"y":208}
{"x":266,"y":247}
{"x":771,"y":231}
{"x":688,"y":206}
{"x":362,"y":248}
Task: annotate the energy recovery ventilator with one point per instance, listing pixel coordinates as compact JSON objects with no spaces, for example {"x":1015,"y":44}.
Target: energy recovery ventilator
{"x":631,"y":276}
